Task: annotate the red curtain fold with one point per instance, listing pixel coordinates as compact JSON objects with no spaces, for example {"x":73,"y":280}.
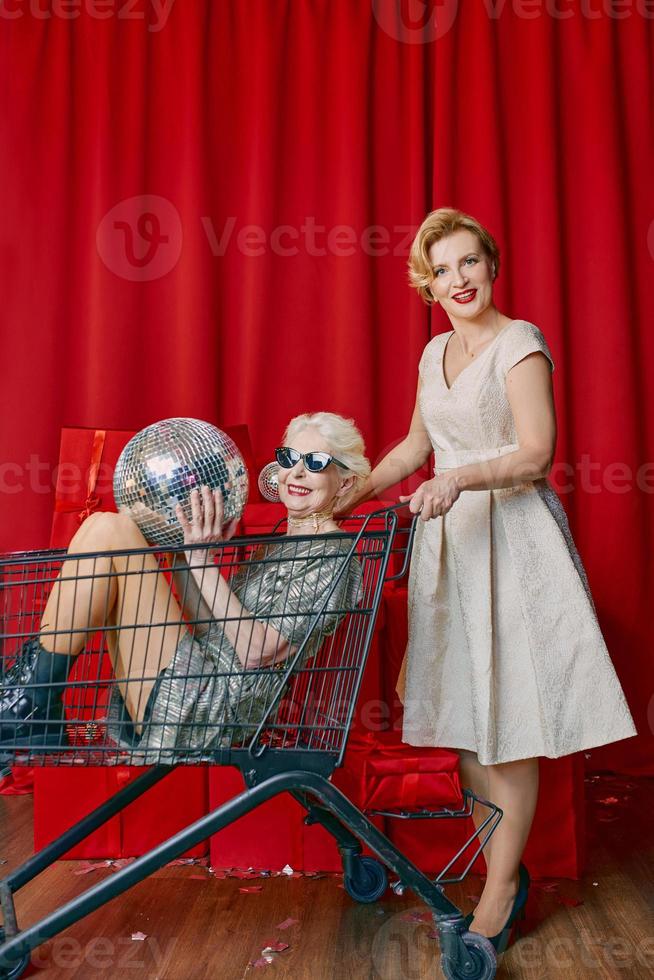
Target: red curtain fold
{"x":207,"y":208}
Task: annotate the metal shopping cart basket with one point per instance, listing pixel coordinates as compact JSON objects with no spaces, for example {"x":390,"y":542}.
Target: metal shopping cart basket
{"x":283,"y":722}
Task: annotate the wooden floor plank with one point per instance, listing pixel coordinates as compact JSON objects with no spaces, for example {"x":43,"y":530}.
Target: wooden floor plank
{"x":199,"y":927}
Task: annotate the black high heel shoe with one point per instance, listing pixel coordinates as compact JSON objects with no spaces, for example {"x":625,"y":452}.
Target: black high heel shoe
{"x":507,"y":935}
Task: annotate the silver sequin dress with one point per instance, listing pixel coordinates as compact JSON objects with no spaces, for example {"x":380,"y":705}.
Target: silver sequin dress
{"x":505,"y":655}
{"x":205,"y":698}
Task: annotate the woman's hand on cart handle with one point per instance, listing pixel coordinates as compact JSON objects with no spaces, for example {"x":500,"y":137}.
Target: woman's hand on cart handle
{"x":434,"y":497}
{"x":206,"y":524}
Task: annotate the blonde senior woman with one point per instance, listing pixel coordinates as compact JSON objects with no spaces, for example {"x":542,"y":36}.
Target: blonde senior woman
{"x":187,"y":689}
{"x":505,"y":660}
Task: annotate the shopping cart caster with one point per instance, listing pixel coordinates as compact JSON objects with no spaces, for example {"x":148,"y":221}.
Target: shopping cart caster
{"x":480,"y":963}
{"x":369,"y":880}
{"x":16,"y":969}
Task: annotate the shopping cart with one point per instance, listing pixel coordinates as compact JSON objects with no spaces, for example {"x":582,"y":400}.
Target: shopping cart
{"x":284,"y":724}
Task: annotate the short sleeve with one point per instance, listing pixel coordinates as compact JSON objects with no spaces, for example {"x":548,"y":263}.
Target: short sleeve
{"x":523,"y":340}
{"x":427,"y":358}
{"x":310,"y":582}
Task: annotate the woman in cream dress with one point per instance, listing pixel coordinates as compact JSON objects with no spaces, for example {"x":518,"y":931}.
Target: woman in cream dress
{"x":505,"y":660}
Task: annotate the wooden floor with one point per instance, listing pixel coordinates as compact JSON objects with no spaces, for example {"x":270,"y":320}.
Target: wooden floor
{"x":197,"y":926}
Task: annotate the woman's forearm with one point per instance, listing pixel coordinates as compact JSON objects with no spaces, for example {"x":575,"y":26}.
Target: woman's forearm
{"x":255,"y":643}
{"x":403,"y":460}
{"x":191,"y":599}
{"x":510,"y":470}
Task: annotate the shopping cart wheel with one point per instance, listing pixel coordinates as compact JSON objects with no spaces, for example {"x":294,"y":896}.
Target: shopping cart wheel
{"x":370,"y":882}
{"x":482,"y":960}
{"x":17,"y":969}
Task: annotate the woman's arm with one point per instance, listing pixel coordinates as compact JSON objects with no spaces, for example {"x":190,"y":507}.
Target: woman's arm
{"x":529,"y":390}
{"x":255,"y":643}
{"x":190,"y":598}
{"x":403,"y":460}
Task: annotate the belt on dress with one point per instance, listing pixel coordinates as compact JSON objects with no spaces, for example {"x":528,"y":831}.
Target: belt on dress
{"x":447,"y":459}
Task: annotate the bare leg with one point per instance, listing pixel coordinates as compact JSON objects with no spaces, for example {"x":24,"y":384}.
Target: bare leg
{"x":127,"y":591}
{"x":513,"y":786}
{"x":474,"y":776}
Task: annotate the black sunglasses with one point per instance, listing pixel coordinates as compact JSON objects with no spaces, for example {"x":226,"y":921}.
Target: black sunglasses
{"x":314,"y":462}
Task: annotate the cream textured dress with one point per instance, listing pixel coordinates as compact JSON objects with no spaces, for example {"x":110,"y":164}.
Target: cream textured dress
{"x":505,"y":655}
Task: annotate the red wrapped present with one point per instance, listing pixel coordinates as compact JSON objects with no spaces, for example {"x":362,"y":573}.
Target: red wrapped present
{"x":87,"y":459}
{"x":272,"y":836}
{"x":382,"y":773}
{"x":62,"y":796}
{"x":18,"y":782}
{"x":555,"y":848}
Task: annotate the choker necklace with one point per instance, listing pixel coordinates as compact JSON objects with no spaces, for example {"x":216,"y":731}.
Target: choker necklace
{"x":315,"y":520}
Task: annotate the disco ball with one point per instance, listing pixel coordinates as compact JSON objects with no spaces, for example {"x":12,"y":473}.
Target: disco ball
{"x":160,"y":466}
{"x":269,"y":483}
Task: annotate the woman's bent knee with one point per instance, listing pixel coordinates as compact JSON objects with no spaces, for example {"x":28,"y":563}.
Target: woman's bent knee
{"x":111,"y":530}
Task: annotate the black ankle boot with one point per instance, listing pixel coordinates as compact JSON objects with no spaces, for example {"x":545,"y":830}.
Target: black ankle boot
{"x":30,"y":695}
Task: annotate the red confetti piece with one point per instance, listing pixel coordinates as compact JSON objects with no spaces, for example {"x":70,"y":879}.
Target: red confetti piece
{"x":121,"y":862}
{"x":275,"y":948}
{"x":91,"y":866}
{"x":287,"y":923}
{"x":262,"y":961}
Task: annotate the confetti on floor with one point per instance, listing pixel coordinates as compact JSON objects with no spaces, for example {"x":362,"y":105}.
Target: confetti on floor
{"x":287,"y":923}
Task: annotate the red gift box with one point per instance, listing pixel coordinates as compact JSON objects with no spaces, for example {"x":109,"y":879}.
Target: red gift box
{"x":555,"y":848}
{"x":63,"y":796}
{"x":272,"y":836}
{"x":87,"y":459}
{"x":382,"y":773}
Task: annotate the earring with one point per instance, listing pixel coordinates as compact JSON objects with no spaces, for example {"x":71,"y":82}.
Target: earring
{"x":268,"y":482}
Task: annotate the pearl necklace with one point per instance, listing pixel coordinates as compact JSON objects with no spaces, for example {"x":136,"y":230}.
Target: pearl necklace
{"x":316,"y":520}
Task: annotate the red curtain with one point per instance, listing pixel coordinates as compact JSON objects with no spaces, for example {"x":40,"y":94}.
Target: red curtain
{"x":207,"y":208}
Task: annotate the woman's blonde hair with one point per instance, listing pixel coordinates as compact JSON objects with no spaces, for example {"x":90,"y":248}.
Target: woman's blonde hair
{"x":439,"y":224}
{"x":344,"y":440}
